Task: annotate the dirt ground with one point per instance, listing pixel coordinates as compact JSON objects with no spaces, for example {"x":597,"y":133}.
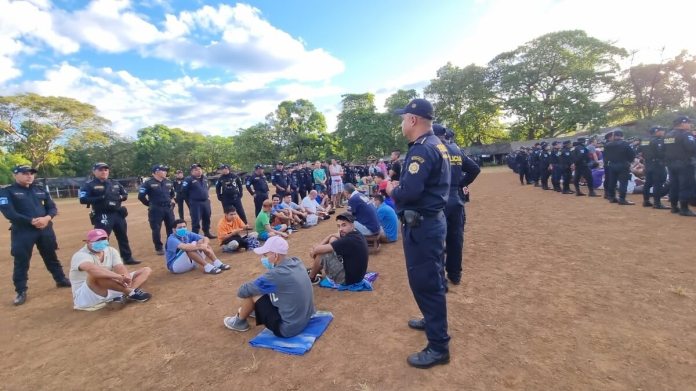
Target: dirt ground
{"x":560,"y":293}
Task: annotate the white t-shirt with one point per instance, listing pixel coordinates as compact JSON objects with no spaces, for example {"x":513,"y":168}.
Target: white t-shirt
{"x":310,"y":205}
{"x":79,"y":277}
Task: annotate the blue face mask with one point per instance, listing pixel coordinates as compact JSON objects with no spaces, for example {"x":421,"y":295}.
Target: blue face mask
{"x":267,"y":263}
{"x":100,"y":245}
{"x":181,"y":232}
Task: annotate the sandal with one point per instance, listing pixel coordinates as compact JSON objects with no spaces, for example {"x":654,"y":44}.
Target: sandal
{"x":214,"y":270}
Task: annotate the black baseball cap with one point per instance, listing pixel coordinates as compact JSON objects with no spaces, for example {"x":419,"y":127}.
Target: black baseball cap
{"x":582,"y":140}
{"x":655,"y":129}
{"x":23,"y":168}
{"x":195,"y":165}
{"x":220,"y":167}
{"x":682,"y":119}
{"x":99,"y":165}
{"x":256,"y":167}
{"x":160,"y":167}
{"x":449,"y":134}
{"x":554,"y":143}
{"x":279,"y":163}
{"x":439,"y":130}
{"x":346,"y":216}
{"x":567,"y":142}
{"x":419,"y":107}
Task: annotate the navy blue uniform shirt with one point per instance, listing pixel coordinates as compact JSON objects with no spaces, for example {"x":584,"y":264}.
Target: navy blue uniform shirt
{"x":154,"y":192}
{"x":680,"y":145}
{"x":104,"y":196}
{"x":228,"y":187}
{"x":280,"y":179}
{"x":20,"y":205}
{"x":258,"y":182}
{"x":195,"y":189}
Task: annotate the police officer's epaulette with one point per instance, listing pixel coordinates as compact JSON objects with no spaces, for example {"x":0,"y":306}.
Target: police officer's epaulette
{"x":669,"y":140}
{"x":421,"y":141}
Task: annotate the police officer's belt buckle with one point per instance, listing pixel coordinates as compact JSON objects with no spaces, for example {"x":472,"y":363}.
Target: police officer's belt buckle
{"x":411,"y":218}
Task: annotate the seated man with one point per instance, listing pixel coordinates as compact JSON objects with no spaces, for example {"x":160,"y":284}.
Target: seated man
{"x":366,"y":221}
{"x":343,"y":256}
{"x":296,"y":209}
{"x":388,"y":220}
{"x":97,"y":275}
{"x":315,"y":212}
{"x":186,"y":249}
{"x":263,"y":223}
{"x":230,"y":229}
{"x":324,"y":200}
{"x":286,"y":301}
{"x":283,"y":215}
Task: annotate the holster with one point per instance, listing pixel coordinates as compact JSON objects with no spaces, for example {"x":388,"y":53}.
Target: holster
{"x":410,"y":218}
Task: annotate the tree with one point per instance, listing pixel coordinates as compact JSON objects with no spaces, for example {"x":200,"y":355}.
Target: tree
{"x":464,"y":101}
{"x":397,"y":100}
{"x":159,"y":144}
{"x":85,"y":148}
{"x":300,"y":128}
{"x":255,"y":145}
{"x":361,"y":129}
{"x":552,"y":84}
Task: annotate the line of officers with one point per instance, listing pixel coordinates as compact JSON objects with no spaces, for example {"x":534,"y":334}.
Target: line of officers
{"x":665,"y":155}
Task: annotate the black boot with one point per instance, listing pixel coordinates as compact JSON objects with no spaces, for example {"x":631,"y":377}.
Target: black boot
{"x":675,"y":207}
{"x":428,"y":358}
{"x":623,"y":201}
{"x":578,"y":192}
{"x":658,"y":205}
{"x":593,"y":194}
{"x":647,"y":203}
{"x":684,"y":209}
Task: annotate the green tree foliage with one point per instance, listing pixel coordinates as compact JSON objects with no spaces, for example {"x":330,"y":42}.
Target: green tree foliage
{"x":255,"y":145}
{"x":299,"y":129}
{"x":552,"y":84}
{"x":362,"y":130}
{"x":465,"y":102}
{"x":83,"y":149}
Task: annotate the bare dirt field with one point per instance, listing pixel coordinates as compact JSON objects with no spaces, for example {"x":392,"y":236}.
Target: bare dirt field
{"x":559,"y":293}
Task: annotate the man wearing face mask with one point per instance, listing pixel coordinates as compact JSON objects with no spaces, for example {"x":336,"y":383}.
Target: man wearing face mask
{"x":186,"y":249}
{"x":281,"y":299}
{"x":98,"y":276}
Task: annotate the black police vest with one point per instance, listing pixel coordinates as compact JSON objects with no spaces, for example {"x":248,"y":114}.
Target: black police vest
{"x":676,"y":148}
{"x":456,"y":158}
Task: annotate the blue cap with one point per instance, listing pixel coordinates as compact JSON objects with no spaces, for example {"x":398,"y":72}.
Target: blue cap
{"x":439,"y":130}
{"x":554,"y":143}
{"x":449,"y":134}
{"x":23,"y":168}
{"x":159,"y":167}
{"x":220,"y":167}
{"x":419,"y":107}
{"x":195,"y":165}
{"x":99,"y":165}
{"x":256,"y":167}
{"x":566,"y":142}
{"x":582,"y":140}
{"x":682,"y":119}
{"x":655,"y":129}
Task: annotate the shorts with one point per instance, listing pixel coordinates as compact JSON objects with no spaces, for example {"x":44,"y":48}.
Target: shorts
{"x":336,"y":186}
{"x":182,"y":263}
{"x":267,"y":314}
{"x":363,"y":229}
{"x":332,"y":264}
{"x":265,"y":236}
{"x":85,"y":299}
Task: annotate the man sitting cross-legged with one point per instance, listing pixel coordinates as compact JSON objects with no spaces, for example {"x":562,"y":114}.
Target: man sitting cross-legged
{"x":283,"y":215}
{"x":97,"y":275}
{"x":186,"y":249}
{"x":296,"y":209}
{"x":230,"y":229}
{"x":343,"y":256}
{"x":263,"y":223}
{"x":313,"y":209}
{"x":286,"y":301}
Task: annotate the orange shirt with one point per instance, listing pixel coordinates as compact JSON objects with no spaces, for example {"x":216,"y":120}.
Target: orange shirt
{"x":226,"y":227}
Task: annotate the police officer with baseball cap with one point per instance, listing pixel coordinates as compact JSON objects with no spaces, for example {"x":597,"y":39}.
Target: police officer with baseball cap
{"x":653,"y":151}
{"x":105,"y":196}
{"x":566,"y":160}
{"x":195,"y":190}
{"x":619,"y":156}
{"x":229,"y":190}
{"x":279,"y":179}
{"x":30,"y":210}
{"x":258,"y":188}
{"x":680,"y":148}
{"x":157,"y":193}
{"x":178,"y":182}
{"x":420,"y":197}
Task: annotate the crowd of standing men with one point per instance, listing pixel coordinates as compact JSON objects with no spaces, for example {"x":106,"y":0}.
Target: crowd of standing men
{"x":666,"y":164}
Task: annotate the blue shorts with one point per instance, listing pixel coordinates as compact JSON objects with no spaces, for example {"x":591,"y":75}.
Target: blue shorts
{"x":264,"y":235}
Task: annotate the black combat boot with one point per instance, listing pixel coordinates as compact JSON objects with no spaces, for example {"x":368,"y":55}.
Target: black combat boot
{"x":684,"y":209}
{"x":675,"y":207}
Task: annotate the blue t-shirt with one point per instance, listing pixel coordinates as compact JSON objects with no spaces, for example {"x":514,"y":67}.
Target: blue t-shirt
{"x":276,"y":208}
{"x":364,"y":213}
{"x":173,"y":241}
{"x":388,"y":221}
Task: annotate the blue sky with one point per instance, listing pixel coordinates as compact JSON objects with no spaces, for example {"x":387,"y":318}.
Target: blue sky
{"x":215,"y":67}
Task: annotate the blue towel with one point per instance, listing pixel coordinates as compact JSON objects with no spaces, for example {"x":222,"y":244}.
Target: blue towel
{"x":364,"y":285}
{"x":299,"y":344}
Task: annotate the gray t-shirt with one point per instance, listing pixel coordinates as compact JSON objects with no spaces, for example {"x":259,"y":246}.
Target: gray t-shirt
{"x":290,"y":291}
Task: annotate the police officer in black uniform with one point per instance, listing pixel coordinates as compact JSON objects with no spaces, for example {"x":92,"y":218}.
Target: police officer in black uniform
{"x":555,"y":161}
{"x":618,"y":156}
{"x":680,"y":148}
{"x":157,"y":193}
{"x":105,"y":195}
{"x":279,"y":179}
{"x":566,"y":161}
{"x":178,"y":183}
{"x":463,"y":171}
{"x":195,"y":190}
{"x":522,"y":164}
{"x":258,"y":188}
{"x":420,"y":197}
{"x":30,"y":210}
{"x":294,"y":184}
{"x":229,"y":190}
{"x":544,"y":166}
{"x":653,"y":151}
{"x":583,"y":160}
{"x":301,"y":180}
{"x":534,"y":164}
{"x":395,"y":167}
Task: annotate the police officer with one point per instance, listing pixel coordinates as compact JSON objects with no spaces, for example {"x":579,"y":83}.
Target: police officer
{"x":618,"y":156}
{"x":534,"y":164}
{"x":195,"y":190}
{"x":522,"y":163}
{"x":582,"y":160}
{"x":653,"y":151}
{"x":463,"y":171}
{"x":680,"y":148}
{"x":544,"y":166}
{"x":294,"y":184}
{"x":105,"y":195}
{"x":555,"y":161}
{"x":279,"y":179}
{"x":395,"y":166}
{"x":301,"y":180}
{"x":30,"y":210}
{"x":258,"y":188}
{"x":229,"y":190}
{"x":178,"y":183}
{"x":157,"y":193}
{"x":566,"y":160}
{"x":420,"y":197}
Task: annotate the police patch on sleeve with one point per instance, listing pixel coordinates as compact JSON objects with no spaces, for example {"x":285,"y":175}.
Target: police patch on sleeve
{"x":413,"y":168}
{"x":4,"y":201}
{"x":82,"y":194}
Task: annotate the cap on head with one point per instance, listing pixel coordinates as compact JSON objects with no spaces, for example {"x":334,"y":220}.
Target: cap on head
{"x":682,"y":119}
{"x":179,"y":172}
{"x":96,"y":234}
{"x":554,"y":143}
{"x":23,"y":168}
{"x":618,"y":133}
{"x":567,"y":142}
{"x":419,"y":107}
{"x":195,"y":165}
{"x":449,"y":134}
{"x":274,"y":244}
{"x":99,"y":165}
{"x":655,"y":129}
{"x":159,"y":167}
{"x":222,"y":166}
{"x":439,"y":130}
{"x":346,"y":216}
{"x":582,"y":140}
{"x":256,"y":167}
{"x":279,"y":163}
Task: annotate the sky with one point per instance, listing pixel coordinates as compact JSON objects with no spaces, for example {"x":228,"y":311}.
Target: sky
{"x":216,"y":67}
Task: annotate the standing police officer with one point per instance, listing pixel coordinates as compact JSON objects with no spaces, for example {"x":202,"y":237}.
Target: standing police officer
{"x":463,"y":171}
{"x":544,"y":163}
{"x":522,"y":164}
{"x":30,"y":209}
{"x":680,"y":148}
{"x":420,"y":197}
{"x":582,"y":161}
{"x":555,"y":161}
{"x":534,"y":164}
{"x":195,"y":190}
{"x":157,"y":193}
{"x":229,"y":190}
{"x":655,"y":170}
{"x":178,"y":183}
{"x":294,"y":184}
{"x":279,"y":179}
{"x":258,"y":188}
{"x":618,"y":156}
{"x":566,"y":162}
{"x":302,"y":180}
{"x":105,"y":195}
